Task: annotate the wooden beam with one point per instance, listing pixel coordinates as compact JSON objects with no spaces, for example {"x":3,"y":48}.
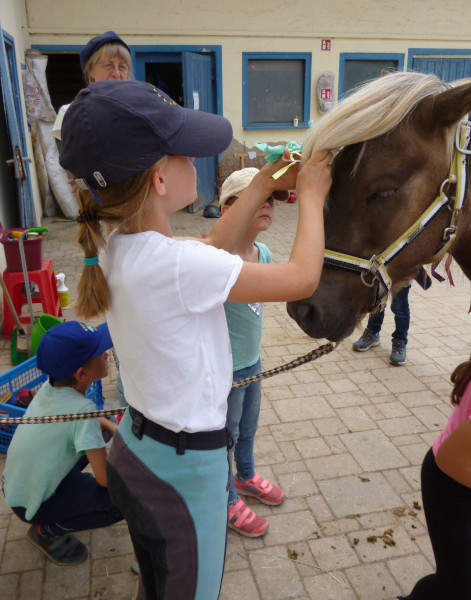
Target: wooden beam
{"x":241,"y":156}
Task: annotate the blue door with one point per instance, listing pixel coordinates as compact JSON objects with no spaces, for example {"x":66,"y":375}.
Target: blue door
{"x":198,"y":94}
{"x":187,"y":78}
{"x":16,"y":136}
{"x":447,"y":68}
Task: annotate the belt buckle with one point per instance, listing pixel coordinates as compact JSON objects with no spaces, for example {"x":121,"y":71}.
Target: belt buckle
{"x":138,"y":422}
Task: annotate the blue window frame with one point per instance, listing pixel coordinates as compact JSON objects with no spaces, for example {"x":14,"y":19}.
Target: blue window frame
{"x":12,"y":69}
{"x":12,"y":106}
{"x":140,"y":53}
{"x":276,"y":89}
{"x":356,"y":68}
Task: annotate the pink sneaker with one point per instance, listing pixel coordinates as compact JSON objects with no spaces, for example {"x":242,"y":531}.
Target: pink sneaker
{"x":245,"y":521}
{"x":261,"y":489}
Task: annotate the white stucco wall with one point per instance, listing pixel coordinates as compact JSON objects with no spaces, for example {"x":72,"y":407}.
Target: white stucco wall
{"x":266,"y":26}
{"x":292,"y":18}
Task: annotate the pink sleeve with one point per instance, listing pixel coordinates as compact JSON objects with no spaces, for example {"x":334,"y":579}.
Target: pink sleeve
{"x":459,"y":414}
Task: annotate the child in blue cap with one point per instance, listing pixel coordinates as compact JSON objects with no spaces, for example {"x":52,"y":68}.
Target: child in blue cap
{"x":131,"y":149}
{"x":43,"y":481}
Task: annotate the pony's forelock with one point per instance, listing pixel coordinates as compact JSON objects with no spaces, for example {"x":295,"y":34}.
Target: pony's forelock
{"x":372,"y":110}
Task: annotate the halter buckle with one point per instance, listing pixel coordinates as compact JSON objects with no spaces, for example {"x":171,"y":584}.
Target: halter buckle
{"x":374,"y":265}
{"x":467,"y":124}
{"x":381,"y":300}
{"x":448,"y":232}
{"x":451,"y":229}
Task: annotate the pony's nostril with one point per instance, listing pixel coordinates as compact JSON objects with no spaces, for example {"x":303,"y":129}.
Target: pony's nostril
{"x":303,"y":313}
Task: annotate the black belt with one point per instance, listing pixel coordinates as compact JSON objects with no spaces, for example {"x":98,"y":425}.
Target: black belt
{"x":201,"y":440}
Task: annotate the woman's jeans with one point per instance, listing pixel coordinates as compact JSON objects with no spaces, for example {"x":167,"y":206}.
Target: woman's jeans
{"x":400,"y":308}
{"x":243,"y":410}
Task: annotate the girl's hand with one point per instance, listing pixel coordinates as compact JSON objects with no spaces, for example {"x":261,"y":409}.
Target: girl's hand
{"x":287,"y":181}
{"x":107,"y":425}
{"x":316,"y":175}
{"x":73,"y":185}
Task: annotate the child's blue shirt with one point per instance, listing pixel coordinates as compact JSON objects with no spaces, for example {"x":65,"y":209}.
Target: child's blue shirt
{"x":41,"y":455}
{"x":245,"y":322}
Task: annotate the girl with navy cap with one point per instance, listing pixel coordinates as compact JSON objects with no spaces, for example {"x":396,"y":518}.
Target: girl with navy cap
{"x":131,"y":150}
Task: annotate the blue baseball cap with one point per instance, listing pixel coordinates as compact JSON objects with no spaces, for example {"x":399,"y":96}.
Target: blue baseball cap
{"x":68,"y":346}
{"x":115,"y":129}
{"x":109,"y":37}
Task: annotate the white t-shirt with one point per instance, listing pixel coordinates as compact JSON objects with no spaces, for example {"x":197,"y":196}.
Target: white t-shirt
{"x":169,"y":328}
{"x":57,"y":127}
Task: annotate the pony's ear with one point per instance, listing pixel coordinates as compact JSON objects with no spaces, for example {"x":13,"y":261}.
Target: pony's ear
{"x":447,"y":108}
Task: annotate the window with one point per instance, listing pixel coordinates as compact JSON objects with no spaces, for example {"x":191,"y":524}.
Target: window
{"x":358,"y":68}
{"x":275,"y":90}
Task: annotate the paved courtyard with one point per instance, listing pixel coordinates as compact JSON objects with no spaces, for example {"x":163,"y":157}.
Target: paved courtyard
{"x":344,"y":437}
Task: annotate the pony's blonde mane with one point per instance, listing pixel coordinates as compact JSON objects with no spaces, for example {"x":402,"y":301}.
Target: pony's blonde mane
{"x":372,"y":110}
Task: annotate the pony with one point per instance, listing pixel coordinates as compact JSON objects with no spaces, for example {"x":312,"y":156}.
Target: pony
{"x":399,"y":198}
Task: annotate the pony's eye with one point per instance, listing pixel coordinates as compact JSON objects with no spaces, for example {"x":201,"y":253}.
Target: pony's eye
{"x":382,"y":194}
{"x":386,"y":193}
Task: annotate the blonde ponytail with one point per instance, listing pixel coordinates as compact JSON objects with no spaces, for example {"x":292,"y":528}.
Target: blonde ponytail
{"x":122,"y":208}
{"x":94,"y":297}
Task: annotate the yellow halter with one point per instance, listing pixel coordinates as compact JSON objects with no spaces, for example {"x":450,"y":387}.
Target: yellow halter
{"x":377,"y":264}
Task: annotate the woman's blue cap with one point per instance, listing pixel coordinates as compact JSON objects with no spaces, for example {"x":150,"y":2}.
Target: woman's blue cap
{"x":115,"y":129}
{"x":109,"y":37}
{"x":68,"y":346}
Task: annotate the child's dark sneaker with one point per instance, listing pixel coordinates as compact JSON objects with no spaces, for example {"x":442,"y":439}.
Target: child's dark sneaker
{"x":246,"y":521}
{"x":367,"y":340}
{"x":260,"y":488}
{"x":398,"y":353}
{"x":64,"y":550}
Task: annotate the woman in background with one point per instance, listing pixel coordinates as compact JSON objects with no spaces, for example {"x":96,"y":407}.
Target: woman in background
{"x":106,"y":56}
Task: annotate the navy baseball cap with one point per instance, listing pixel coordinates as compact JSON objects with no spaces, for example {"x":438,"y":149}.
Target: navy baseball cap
{"x":109,"y":37}
{"x":115,"y":129}
{"x":68,"y":346}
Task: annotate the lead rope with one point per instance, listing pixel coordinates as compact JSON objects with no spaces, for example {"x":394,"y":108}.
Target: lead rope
{"x":297,"y":362}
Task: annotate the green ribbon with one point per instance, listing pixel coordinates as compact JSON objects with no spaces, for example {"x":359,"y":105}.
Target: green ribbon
{"x":274,"y":153}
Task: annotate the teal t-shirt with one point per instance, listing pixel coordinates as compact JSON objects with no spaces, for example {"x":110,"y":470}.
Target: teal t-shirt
{"x":245,"y":322}
{"x":41,"y":455}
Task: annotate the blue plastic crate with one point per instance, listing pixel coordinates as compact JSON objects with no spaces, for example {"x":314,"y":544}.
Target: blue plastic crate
{"x":27,"y":375}
{"x":7,"y":431}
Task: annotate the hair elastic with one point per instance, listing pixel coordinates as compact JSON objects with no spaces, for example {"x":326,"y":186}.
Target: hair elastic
{"x":90,"y":261}
{"x":86,"y":217}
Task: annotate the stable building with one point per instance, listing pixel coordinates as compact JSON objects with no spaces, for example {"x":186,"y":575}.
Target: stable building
{"x":271,"y":68}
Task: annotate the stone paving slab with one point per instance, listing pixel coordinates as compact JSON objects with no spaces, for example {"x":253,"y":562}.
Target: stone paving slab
{"x":344,"y":436}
